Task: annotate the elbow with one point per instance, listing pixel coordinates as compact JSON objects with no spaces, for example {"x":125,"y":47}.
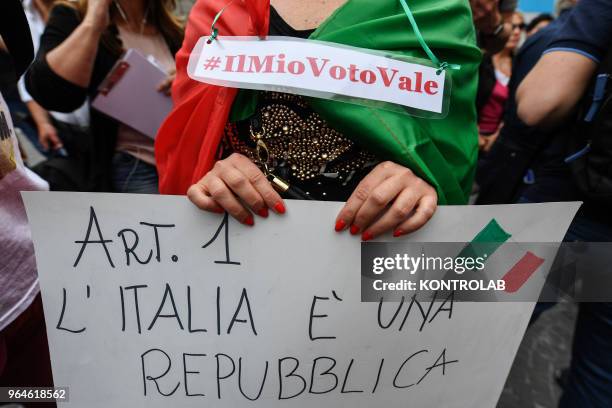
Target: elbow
{"x":543,"y":109}
{"x":530,"y":108}
{"x":64,"y":106}
{"x":532,"y":115}
{"x":37,"y":90}
{"x":45,"y":88}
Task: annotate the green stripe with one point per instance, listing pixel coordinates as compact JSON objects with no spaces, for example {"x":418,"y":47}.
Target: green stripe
{"x":486,"y":241}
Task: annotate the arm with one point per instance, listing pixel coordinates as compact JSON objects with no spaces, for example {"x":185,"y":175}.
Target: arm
{"x":564,"y":75}
{"x":564,"y":72}
{"x":47,"y":134}
{"x":52,"y":72}
{"x":74,"y":58}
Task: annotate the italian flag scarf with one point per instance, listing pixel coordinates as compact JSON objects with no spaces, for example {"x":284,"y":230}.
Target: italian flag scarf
{"x":441,"y":151}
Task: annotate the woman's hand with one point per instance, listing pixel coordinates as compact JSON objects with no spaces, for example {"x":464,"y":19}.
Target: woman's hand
{"x":75,"y":57}
{"x":391,"y":197}
{"x":232,"y":183}
{"x":485,"y":143}
{"x":166,"y":85}
{"x":97,"y":14}
{"x":47,"y":134}
{"x":48,"y":138}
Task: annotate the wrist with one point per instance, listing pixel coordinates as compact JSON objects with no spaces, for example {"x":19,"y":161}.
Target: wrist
{"x":42,"y":125}
{"x":93,"y":25}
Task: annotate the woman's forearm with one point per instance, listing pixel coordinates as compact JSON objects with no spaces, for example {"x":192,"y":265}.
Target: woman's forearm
{"x":74,"y":59}
{"x":38,"y":113}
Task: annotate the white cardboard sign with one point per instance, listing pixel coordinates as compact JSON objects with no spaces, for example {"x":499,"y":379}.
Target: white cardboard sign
{"x":319,"y":69}
{"x":150,"y":302}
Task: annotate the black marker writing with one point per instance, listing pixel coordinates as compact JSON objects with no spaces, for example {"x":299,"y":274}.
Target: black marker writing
{"x":223,"y":226}
{"x":61,"y":318}
{"x":93,"y":219}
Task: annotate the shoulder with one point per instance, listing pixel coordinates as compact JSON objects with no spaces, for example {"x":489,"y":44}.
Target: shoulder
{"x":535,"y":45}
{"x":586,"y":30}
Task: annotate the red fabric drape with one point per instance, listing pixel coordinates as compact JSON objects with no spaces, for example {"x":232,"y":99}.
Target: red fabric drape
{"x":188,"y":139}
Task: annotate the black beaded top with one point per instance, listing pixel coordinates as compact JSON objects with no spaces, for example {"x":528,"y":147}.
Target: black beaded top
{"x":303,"y":149}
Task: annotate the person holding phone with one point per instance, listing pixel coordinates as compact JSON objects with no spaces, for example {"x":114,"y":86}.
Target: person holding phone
{"x":82,"y":42}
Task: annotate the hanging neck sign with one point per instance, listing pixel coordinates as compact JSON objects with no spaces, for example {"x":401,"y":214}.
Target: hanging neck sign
{"x":323,"y":70}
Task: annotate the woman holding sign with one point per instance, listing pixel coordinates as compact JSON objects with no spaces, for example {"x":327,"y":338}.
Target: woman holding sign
{"x":227,"y":148}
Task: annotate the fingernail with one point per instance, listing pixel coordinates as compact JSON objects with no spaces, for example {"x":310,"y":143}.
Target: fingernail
{"x":249,"y":221}
{"x":354,"y":230}
{"x":263,"y":212}
{"x":280,"y":208}
{"x":366,"y":236}
{"x":398,"y":233}
{"x":340,"y":224}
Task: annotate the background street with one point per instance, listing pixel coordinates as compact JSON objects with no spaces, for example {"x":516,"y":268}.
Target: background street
{"x":545,"y":349}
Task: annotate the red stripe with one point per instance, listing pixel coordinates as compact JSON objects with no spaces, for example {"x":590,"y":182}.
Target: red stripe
{"x":188,"y":140}
{"x":516,"y":277}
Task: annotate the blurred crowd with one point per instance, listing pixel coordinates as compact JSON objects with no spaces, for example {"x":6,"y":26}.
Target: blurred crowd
{"x":543,"y":104}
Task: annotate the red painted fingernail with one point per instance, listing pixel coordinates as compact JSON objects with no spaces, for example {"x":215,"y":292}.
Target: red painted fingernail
{"x":340,"y":224}
{"x":366,"y":236}
{"x":249,"y":221}
{"x":280,"y":208}
{"x":354,"y":230}
{"x":398,"y":233}
{"x":263,"y":212}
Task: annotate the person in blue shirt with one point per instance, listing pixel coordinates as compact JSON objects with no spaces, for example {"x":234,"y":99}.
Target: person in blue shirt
{"x":545,"y":101}
{"x":527,"y":149}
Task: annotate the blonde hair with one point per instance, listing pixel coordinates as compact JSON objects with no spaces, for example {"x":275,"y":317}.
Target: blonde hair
{"x":519,"y":14}
{"x":160,"y":14}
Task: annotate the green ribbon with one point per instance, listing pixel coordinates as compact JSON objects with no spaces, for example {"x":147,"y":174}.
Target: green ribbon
{"x":213,"y":30}
{"x":442,"y":66}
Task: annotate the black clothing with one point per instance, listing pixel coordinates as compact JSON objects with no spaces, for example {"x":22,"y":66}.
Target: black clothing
{"x":15,"y":33}
{"x":305,"y":151}
{"x":486,"y":83}
{"x":278,"y":26}
{"x":541,"y":152}
{"x":58,"y":94}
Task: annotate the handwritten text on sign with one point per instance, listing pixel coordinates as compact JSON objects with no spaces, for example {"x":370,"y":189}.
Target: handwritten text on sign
{"x":316,"y":69}
{"x":151,"y":302}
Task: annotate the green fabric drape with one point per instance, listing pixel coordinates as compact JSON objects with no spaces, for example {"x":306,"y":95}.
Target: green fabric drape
{"x":441,"y":151}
